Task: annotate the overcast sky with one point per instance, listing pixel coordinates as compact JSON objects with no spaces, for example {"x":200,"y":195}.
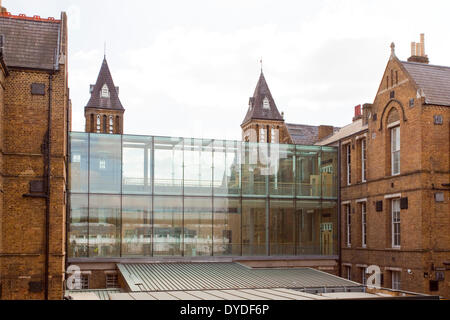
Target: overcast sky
{"x":187,"y":68}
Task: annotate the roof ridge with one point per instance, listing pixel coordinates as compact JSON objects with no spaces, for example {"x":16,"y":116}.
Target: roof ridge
{"x":34,"y":18}
{"x":426,"y":64}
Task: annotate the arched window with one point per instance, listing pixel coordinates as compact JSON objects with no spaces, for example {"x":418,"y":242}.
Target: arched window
{"x":111,"y":124}
{"x":393,"y":125}
{"x":118,"y":130}
{"x":92,"y":122}
{"x":98,"y":123}
{"x":105,"y":118}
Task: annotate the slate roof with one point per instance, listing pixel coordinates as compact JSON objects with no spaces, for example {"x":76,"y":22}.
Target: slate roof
{"x":113,"y":101}
{"x":30,"y":44}
{"x":433,"y":80}
{"x":256,"y":110}
{"x":302,"y":134}
{"x":342,"y":133}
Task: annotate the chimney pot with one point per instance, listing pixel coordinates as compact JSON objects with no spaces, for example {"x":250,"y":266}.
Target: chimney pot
{"x":413,"y":49}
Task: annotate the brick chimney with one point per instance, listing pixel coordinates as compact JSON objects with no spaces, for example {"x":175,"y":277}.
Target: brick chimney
{"x":418,"y":51}
{"x":358,"y":113}
{"x":325,"y":131}
{"x":1,"y":8}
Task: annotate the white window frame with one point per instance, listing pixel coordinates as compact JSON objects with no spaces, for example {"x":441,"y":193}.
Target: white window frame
{"x":395,"y":221}
{"x":363,"y":160}
{"x":395,"y":280}
{"x":266,"y":103}
{"x":348,"y":161}
{"x":262,"y":134}
{"x":348,"y":224}
{"x":84,"y":281}
{"x":395,"y":150}
{"x":364,"y":224}
{"x":364,"y":275}
{"x":349,"y":273}
{"x":273,"y":135}
{"x":112,"y":280}
{"x":105,"y":91}
{"x":111,"y":124}
{"x":99,"y":123}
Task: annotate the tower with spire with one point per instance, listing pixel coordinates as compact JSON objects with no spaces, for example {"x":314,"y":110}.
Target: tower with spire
{"x":104,"y":111}
{"x":263,"y":122}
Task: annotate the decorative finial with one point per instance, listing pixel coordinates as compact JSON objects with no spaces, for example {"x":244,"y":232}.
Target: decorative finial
{"x":104,"y":51}
{"x":392,"y":50}
{"x":261,"y":62}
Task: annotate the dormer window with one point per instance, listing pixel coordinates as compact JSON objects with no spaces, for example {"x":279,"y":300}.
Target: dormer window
{"x":105,"y":91}
{"x":266,"y":104}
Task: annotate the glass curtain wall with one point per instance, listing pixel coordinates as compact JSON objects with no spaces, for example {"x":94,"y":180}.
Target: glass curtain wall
{"x":143,"y":196}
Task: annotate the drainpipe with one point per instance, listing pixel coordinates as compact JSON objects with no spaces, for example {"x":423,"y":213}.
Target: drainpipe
{"x":47,"y":198}
{"x":339,"y":209}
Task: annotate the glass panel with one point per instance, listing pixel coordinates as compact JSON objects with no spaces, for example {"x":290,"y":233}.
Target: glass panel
{"x":137,"y":153}
{"x":78,"y":229}
{"x":328,"y":169}
{"x":197,"y":227}
{"x":282,"y":227}
{"x":79,"y":165}
{"x":167,"y":226}
{"x":308,"y":174}
{"x":136,"y":226}
{"x":197,"y":167}
{"x":227,"y":168}
{"x":104,"y":226}
{"x":308,"y":224}
{"x":254,"y":227}
{"x":227,"y":227}
{"x":168,"y":169}
{"x":282,"y":170}
{"x":329,"y":229}
{"x":105,"y":163}
{"x":255,"y":169}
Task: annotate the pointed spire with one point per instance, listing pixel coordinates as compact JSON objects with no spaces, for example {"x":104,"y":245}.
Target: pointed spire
{"x":104,"y":94}
{"x":392,"y":51}
{"x":262,"y":105}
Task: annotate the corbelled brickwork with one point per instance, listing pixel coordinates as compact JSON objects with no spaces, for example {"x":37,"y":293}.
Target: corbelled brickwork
{"x":26,"y":98}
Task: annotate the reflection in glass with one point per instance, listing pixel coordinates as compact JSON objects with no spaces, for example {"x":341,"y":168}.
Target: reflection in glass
{"x":136,"y":226}
{"x":328,"y":228}
{"x":308,"y":223}
{"x":167,"y":226}
{"x":198,"y":167}
{"x":282,"y":227}
{"x":137,"y":152}
{"x":197,"y":226}
{"x":308,"y":175}
{"x":105,"y":163}
{"x":78,"y":230}
{"x":104,"y":226}
{"x":227,"y":168}
{"x":79,"y":162}
{"x":254,"y":227}
{"x":255,"y":169}
{"x":168,"y":171}
{"x":227,"y":227}
{"x":328,"y":168}
{"x":282,"y":170}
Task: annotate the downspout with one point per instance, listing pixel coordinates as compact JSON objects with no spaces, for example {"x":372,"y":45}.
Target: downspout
{"x":339,"y":209}
{"x":48,"y":174}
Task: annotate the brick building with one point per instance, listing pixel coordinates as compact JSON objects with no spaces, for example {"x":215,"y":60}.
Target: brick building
{"x":34,"y":122}
{"x":395,"y":179}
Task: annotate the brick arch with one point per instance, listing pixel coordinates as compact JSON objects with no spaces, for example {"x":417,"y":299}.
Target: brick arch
{"x":387,"y":107}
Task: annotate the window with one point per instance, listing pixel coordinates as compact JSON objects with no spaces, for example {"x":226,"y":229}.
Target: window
{"x":396,"y":280}
{"x":273,"y":137}
{"x":266,"y":104}
{"x":262,"y":135}
{"x":349,"y":163}
{"x":364,"y":224}
{"x":76,"y":158}
{"x":102,"y":164}
{"x":363,"y":275}
{"x":395,"y":225}
{"x":348,"y":224}
{"x":395,"y":150}
{"x":111,"y":124}
{"x":105,"y":91}
{"x":112,"y":281}
{"x":84,"y":281}
{"x":98,"y":123}
{"x":348,"y":272}
{"x":363,"y":160}
{"x":411,"y":102}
